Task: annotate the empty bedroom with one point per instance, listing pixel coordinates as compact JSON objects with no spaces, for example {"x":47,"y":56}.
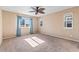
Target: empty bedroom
{"x":39,"y":29}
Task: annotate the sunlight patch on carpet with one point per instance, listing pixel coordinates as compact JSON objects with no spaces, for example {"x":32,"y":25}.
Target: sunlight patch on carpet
{"x":40,"y":41}
{"x":34,"y":41}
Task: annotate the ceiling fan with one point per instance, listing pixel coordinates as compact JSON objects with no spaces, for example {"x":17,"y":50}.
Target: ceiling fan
{"x":37,"y":10}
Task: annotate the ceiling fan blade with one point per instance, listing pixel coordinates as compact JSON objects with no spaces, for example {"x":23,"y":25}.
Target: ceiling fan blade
{"x":33,"y":8}
{"x":31,"y":11}
{"x":42,"y":9}
{"x":41,"y":12}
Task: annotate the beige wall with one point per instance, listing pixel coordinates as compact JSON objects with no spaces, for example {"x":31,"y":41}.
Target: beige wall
{"x":0,"y":27}
{"x":25,"y":31}
{"x":10,"y":24}
{"x":53,"y":24}
{"x":35,"y":25}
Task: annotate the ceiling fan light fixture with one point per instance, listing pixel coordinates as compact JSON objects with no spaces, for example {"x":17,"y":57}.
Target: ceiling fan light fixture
{"x":38,"y":9}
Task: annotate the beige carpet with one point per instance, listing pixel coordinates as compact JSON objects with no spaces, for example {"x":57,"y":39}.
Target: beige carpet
{"x":38,"y":43}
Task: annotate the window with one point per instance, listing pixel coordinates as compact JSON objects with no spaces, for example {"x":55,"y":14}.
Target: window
{"x":68,"y":21}
{"x":27,"y":23}
{"x":24,"y":22}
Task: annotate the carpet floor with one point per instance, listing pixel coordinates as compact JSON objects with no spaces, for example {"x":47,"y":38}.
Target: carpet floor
{"x":38,"y":43}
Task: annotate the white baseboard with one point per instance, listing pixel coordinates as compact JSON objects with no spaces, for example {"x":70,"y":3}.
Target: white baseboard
{"x":64,"y":37}
{"x":9,"y":37}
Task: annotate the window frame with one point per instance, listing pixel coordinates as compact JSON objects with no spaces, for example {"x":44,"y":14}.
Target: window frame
{"x":24,"y":22}
{"x":65,"y":20}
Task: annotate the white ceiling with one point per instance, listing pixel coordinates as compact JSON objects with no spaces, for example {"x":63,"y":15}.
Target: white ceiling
{"x":26,"y":9}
